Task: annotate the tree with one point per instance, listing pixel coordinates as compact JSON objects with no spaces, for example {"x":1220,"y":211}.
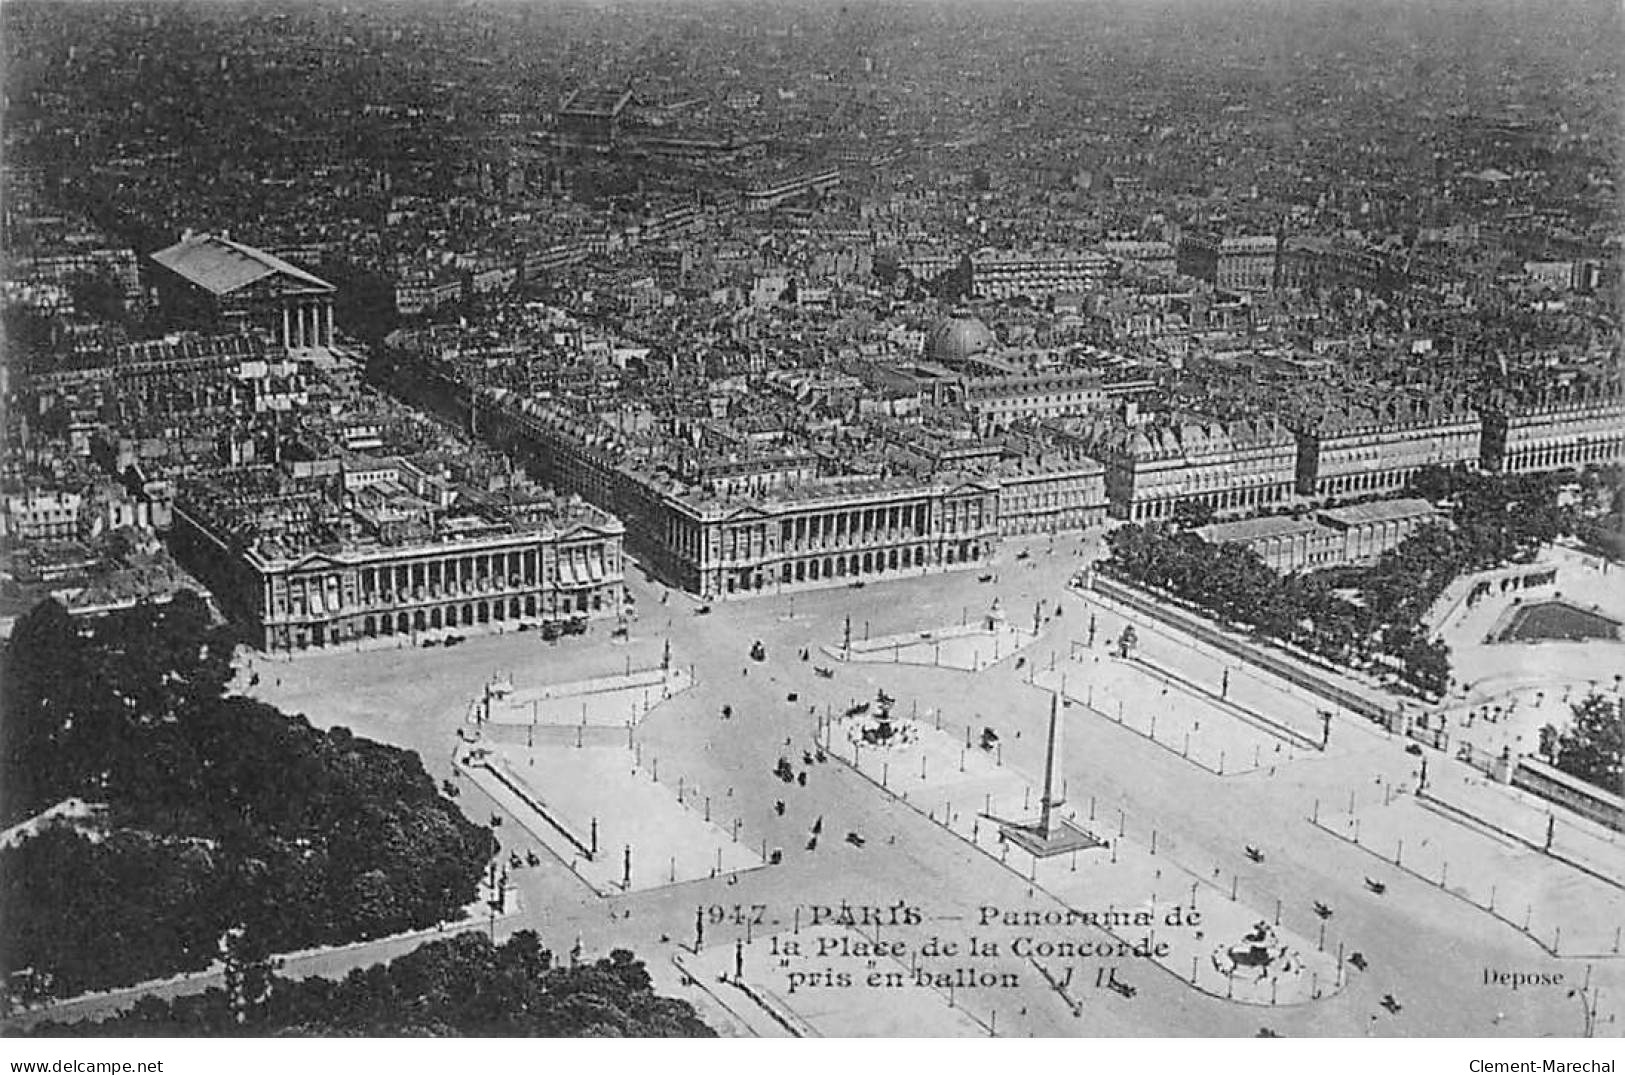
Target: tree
{"x":1192,"y":514}
{"x":41,"y":687}
{"x":98,"y":296}
{"x":1549,"y":740}
{"x":250,"y":974}
{"x":1593,"y":747}
{"x":1427,"y":667}
{"x":1494,"y":519}
{"x":219,"y":811}
{"x":460,"y":986}
{"x":1433,"y":482}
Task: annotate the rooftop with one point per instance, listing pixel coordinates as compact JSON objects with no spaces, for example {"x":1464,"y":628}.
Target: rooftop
{"x":1378,"y":511}
{"x":957,"y":338}
{"x":1243,"y":531}
{"x":222,"y":267}
{"x":597,"y":102}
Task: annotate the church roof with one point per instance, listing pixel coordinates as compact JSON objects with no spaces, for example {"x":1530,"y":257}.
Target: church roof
{"x":222,"y":267}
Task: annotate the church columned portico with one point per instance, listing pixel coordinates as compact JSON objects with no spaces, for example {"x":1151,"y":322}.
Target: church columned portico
{"x":307,"y":321}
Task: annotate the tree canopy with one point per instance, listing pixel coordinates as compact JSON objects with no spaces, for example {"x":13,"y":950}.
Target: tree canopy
{"x":220,"y":811}
{"x":1593,"y":747}
{"x":1494,"y":519}
{"x":463,"y":986}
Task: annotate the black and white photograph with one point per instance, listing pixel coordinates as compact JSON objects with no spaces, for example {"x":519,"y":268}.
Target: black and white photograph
{"x":823,"y":519}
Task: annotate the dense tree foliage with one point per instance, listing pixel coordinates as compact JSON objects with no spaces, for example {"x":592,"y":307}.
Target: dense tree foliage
{"x":221,"y":812}
{"x":1360,"y":616}
{"x":1593,"y":747}
{"x":460,"y":987}
{"x":1190,"y":514}
{"x":1603,"y":500}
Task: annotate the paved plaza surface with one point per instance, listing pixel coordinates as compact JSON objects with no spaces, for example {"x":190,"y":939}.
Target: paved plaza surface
{"x":1566,"y":910}
{"x":609,"y":819}
{"x":1508,"y":690}
{"x":964,"y":647}
{"x":1199,"y":728}
{"x":613,"y":701}
{"x":1420,"y":944}
{"x":1145,"y":891}
{"x":1282,"y":710}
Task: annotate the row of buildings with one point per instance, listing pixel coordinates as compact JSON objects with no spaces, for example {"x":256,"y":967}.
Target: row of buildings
{"x":1235,"y":263}
{"x":810,"y":525}
{"x":314,"y":512}
{"x":342,"y":542}
{"x":98,"y":507}
{"x":790,"y":528}
{"x":1352,"y":450}
{"x":949,"y":454}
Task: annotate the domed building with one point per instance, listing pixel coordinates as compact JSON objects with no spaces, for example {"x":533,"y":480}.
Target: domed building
{"x":957,"y":338}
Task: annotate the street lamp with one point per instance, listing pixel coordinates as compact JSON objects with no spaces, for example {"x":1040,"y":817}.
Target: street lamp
{"x":1588,"y":1003}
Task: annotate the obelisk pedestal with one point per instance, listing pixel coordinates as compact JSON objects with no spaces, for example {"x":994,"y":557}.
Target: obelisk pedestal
{"x":1051,"y":834}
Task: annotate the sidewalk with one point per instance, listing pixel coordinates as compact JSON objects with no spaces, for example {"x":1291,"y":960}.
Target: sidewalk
{"x":1245,"y":679}
{"x":964,"y":649}
{"x":883,"y":999}
{"x":609,"y":820}
{"x":1199,"y":729}
{"x":608,"y":701}
{"x":1567,"y":912}
{"x":1527,"y":818}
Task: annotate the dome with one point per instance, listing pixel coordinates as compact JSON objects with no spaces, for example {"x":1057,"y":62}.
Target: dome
{"x":956,"y":338}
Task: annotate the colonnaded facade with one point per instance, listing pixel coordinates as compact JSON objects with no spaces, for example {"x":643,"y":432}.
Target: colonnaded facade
{"x":1151,"y":469}
{"x":826,"y":532}
{"x":1361,"y":450}
{"x":304,"y":566}
{"x":1581,"y":430}
{"x":870,"y":530}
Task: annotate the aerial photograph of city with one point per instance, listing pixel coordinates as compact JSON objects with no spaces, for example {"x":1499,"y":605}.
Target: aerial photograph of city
{"x":852,"y":519}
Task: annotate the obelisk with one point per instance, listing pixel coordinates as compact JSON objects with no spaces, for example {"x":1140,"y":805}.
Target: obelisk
{"x":1052,"y":834}
{"x":1049,"y":821}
